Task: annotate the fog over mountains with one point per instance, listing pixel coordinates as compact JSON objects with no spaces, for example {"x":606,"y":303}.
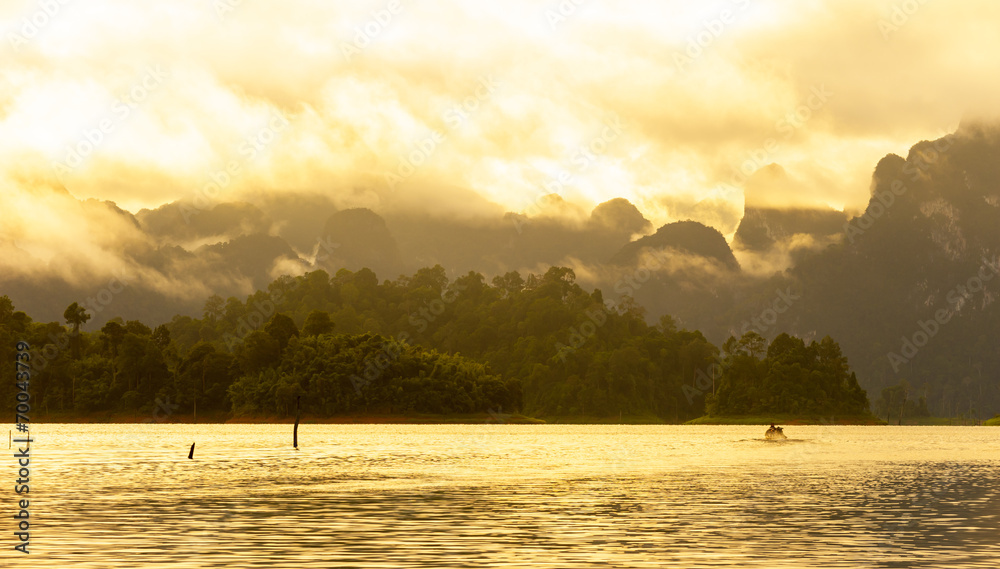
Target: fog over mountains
{"x":908,"y":287}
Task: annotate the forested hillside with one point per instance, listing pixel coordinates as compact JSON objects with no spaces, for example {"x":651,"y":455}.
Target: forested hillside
{"x":908,"y":288}
{"x":786,"y":376}
{"x":350,"y":344}
{"x":572,"y":352}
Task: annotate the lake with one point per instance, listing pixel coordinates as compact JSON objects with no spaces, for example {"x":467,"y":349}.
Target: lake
{"x":559,"y":496}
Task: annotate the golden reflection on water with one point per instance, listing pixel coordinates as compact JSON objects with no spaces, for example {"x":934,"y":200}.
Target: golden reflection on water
{"x":511,"y":496}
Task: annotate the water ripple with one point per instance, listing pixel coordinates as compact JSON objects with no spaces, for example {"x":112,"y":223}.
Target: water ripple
{"x":513,"y":496}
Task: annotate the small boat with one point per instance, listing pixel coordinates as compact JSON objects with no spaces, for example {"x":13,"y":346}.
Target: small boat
{"x":775,"y":434}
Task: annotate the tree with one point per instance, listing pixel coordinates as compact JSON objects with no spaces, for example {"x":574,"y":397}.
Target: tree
{"x":317,"y":323}
{"x":76,"y":316}
{"x":113,"y":333}
{"x":731,"y":347}
{"x":259,"y":351}
{"x":434,"y":278}
{"x":138,"y":328}
{"x":95,"y":383}
{"x":161,"y":336}
{"x":133,"y":352}
{"x":282,"y":329}
{"x":558,"y":283}
{"x":204,"y":376}
{"x":667,"y":324}
{"x":509,"y":284}
{"x":791,"y":378}
{"x":753,"y":343}
{"x":233,"y":311}
{"x":6,"y":310}
{"x":213,"y":308}
{"x":786,"y":347}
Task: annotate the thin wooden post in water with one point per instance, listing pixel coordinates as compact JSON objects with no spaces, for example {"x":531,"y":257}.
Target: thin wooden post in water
{"x":298,"y":415}
{"x":191,"y":453}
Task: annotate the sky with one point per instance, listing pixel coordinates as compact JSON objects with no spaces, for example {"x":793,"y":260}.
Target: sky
{"x":475,"y":108}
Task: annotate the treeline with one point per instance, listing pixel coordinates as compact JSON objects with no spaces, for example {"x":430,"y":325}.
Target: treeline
{"x":786,"y":376}
{"x":897,"y":402}
{"x":540,"y":345}
{"x":572,"y":352}
{"x":127,"y":367}
{"x":339,"y":374}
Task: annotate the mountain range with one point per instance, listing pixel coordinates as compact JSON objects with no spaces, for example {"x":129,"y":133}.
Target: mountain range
{"x":908,"y":287}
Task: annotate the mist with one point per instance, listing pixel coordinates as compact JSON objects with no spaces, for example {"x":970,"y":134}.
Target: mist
{"x":452,"y":114}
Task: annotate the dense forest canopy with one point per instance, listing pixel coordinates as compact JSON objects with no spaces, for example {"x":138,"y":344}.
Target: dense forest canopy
{"x":786,"y":376}
{"x":908,"y":287}
{"x":540,"y":345}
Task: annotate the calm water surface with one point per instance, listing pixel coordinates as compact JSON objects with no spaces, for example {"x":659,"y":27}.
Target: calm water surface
{"x":509,"y":496}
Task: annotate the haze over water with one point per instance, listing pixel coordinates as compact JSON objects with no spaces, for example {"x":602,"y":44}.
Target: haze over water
{"x":512,"y":496}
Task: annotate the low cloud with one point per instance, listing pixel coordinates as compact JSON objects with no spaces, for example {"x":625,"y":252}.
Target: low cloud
{"x":516,"y":106}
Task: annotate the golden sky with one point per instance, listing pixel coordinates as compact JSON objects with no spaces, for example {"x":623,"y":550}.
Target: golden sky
{"x":400,"y":104}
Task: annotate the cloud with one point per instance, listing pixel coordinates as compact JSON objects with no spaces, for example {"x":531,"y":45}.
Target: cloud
{"x":49,"y":234}
{"x":662,"y":103}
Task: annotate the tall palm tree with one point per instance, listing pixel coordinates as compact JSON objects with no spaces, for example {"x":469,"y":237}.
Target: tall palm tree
{"x":76,"y":316}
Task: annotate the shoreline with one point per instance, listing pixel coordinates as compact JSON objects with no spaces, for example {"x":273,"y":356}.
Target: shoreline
{"x":221,"y":418}
{"x":787,"y":419}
